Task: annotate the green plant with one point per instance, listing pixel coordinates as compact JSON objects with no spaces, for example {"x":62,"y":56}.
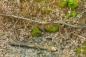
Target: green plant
{"x":36,"y":32}
{"x":51,"y":28}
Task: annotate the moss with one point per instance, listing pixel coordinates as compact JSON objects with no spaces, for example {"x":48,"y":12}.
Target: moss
{"x":36,"y":32}
{"x":38,"y":0}
{"x":46,"y":11}
{"x":41,"y":1}
{"x":84,"y":44}
{"x":84,"y":50}
{"x":67,"y":15}
{"x":72,"y":14}
{"x":63,"y":3}
{"x":73,"y":4}
{"x":81,"y":50}
{"x":78,"y":51}
{"x":52,"y":28}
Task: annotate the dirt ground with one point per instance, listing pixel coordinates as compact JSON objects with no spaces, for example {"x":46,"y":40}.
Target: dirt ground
{"x":17,"y":17}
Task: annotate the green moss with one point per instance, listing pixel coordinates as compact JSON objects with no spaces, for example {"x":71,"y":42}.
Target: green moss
{"x":72,"y":14}
{"x":52,"y":28}
{"x":81,"y":50}
{"x":73,"y":4}
{"x":84,"y":50}
{"x":36,"y":32}
{"x":38,"y":0}
{"x":67,"y":15}
{"x":78,"y":51}
{"x":63,"y":3}
{"x":46,"y":11}
{"x":44,"y":1}
{"x":84,"y":44}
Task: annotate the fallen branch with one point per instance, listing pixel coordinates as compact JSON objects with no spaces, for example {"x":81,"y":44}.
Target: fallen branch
{"x":44,"y":22}
{"x":34,"y":46}
{"x":23,"y":18}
